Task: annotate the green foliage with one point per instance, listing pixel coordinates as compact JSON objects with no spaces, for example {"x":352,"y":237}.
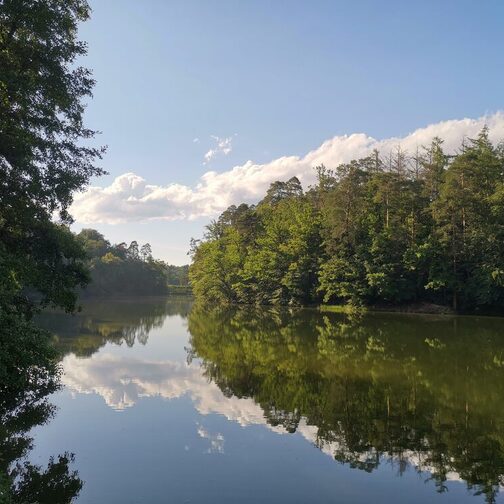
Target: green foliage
{"x":45,"y":156}
{"x":42,"y":92}
{"x":263,"y":254}
{"x":177,"y":276}
{"x":122,"y":270}
{"x":388,"y":230}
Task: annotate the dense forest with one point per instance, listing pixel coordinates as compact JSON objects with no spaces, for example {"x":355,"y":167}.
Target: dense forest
{"x":124,"y":269}
{"x":395,"y":229}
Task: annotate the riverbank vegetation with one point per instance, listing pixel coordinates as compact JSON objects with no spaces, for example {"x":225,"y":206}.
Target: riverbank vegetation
{"x":128,"y":270}
{"x":387,"y":229}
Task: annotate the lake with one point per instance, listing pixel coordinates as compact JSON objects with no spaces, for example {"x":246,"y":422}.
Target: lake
{"x":166,"y":401}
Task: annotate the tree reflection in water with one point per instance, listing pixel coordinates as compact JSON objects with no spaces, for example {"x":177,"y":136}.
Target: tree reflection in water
{"x":127,"y":321}
{"x":29,"y":375}
{"x":416,"y":391}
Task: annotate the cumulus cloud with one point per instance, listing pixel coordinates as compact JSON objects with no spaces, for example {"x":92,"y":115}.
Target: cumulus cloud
{"x":222,"y":146}
{"x":130,"y":198}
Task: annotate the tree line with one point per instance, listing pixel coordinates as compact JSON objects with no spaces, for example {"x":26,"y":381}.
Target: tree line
{"x":123,"y":269}
{"x":386,"y":229}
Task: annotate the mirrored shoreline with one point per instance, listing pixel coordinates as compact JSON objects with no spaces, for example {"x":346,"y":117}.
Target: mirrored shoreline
{"x":421,"y":393}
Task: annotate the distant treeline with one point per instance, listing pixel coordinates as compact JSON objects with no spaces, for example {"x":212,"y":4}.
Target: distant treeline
{"x":392,"y":229}
{"x":128,"y":270}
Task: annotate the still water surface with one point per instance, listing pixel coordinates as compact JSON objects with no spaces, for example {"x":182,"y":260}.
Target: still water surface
{"x":164,"y":402}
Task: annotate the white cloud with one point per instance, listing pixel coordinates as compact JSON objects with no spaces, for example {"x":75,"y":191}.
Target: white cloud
{"x":222,"y":146}
{"x":130,"y":198}
{"x":196,"y":140}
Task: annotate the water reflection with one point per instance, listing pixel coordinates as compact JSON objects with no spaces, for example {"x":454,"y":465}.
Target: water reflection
{"x":118,"y":321}
{"x":420,"y":391}
{"x":417,"y":392}
{"x":123,"y":381}
{"x":28,"y":405}
{"x":22,"y":482}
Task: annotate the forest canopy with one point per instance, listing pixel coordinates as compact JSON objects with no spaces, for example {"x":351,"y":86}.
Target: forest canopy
{"x":123,"y":269}
{"x":389,"y":229}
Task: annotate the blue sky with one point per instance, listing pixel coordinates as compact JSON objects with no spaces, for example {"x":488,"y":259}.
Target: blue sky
{"x":264,"y":80}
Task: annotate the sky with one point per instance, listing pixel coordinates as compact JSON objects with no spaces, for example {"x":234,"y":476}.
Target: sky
{"x":204,"y":103}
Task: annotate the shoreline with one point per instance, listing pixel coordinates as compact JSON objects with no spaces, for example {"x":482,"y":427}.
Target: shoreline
{"x":410,"y":309}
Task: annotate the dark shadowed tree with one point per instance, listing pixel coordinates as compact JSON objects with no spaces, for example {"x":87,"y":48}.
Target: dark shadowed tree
{"x":46,"y":154}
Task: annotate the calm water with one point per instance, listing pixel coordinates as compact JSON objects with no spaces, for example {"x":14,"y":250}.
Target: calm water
{"x":165,"y":402}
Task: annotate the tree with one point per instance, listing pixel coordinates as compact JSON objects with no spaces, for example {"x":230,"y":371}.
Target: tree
{"x":217,"y":267}
{"x":146,"y":252}
{"x":281,"y":190}
{"x":282,"y":266}
{"x":467,"y":227}
{"x":133,"y":251}
{"x":121,"y":270}
{"x":390,"y":229}
{"x":342,"y":206}
{"x":45,"y":156}
{"x":94,"y":242}
{"x":42,"y":156}
{"x":433,"y":166}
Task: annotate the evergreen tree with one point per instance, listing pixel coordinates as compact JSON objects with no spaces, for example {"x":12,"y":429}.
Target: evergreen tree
{"x":396,"y":229}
